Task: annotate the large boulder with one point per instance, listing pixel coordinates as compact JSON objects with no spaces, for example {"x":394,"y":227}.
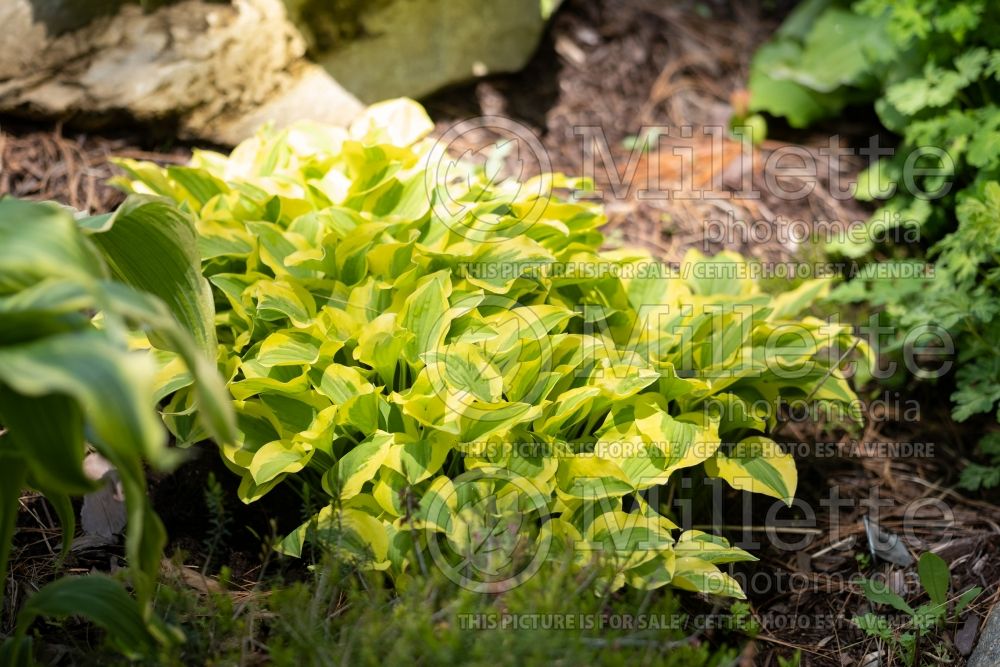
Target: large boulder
{"x":216,"y":69}
{"x":379,"y":49}
{"x":198,"y":69}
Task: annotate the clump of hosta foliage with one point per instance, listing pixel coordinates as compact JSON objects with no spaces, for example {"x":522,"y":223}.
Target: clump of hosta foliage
{"x":932,"y":70}
{"x":451,"y":369}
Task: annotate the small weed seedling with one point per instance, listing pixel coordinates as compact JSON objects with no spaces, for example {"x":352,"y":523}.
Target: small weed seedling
{"x":905,"y":638}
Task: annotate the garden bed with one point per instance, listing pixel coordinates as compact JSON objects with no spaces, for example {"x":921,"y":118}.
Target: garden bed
{"x":621,"y":67}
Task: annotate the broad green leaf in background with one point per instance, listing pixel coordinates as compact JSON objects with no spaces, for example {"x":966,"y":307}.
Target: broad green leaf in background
{"x":13,"y":472}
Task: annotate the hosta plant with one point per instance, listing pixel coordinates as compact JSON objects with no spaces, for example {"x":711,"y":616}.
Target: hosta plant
{"x":456,"y":375}
{"x":73,"y":294}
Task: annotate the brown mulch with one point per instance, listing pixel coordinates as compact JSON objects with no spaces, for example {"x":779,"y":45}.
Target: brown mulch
{"x":671,"y":72}
{"x":806,"y":591}
{"x":53,"y":164}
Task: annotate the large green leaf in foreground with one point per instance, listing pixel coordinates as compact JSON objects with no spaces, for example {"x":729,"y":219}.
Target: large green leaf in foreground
{"x":68,"y":379}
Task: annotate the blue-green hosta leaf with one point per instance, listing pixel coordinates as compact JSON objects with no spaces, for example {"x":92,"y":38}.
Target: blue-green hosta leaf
{"x":759,"y":465}
{"x":41,"y":242}
{"x":96,"y":374}
{"x":51,"y":306}
{"x":48,"y":430}
{"x":101,"y":600}
{"x":214,"y":411}
{"x":152,"y":245}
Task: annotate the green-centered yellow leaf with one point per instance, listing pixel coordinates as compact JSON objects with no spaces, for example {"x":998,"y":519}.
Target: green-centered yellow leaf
{"x":357,"y":467}
{"x":280,"y":457}
{"x":289,"y":348}
{"x":759,"y":465}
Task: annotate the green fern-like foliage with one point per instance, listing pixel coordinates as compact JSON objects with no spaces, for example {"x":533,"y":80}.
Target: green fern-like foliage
{"x":931,"y":68}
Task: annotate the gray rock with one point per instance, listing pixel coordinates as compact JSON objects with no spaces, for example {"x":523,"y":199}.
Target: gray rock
{"x":987,"y":651}
{"x":216,"y":70}
{"x":379,"y":49}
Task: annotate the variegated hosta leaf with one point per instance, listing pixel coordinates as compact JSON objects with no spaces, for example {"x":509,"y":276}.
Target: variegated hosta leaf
{"x":695,"y":574}
{"x":391,"y":318}
{"x":759,"y":465}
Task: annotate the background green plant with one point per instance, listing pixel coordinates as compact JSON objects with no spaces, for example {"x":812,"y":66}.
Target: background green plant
{"x":932,"y":71}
